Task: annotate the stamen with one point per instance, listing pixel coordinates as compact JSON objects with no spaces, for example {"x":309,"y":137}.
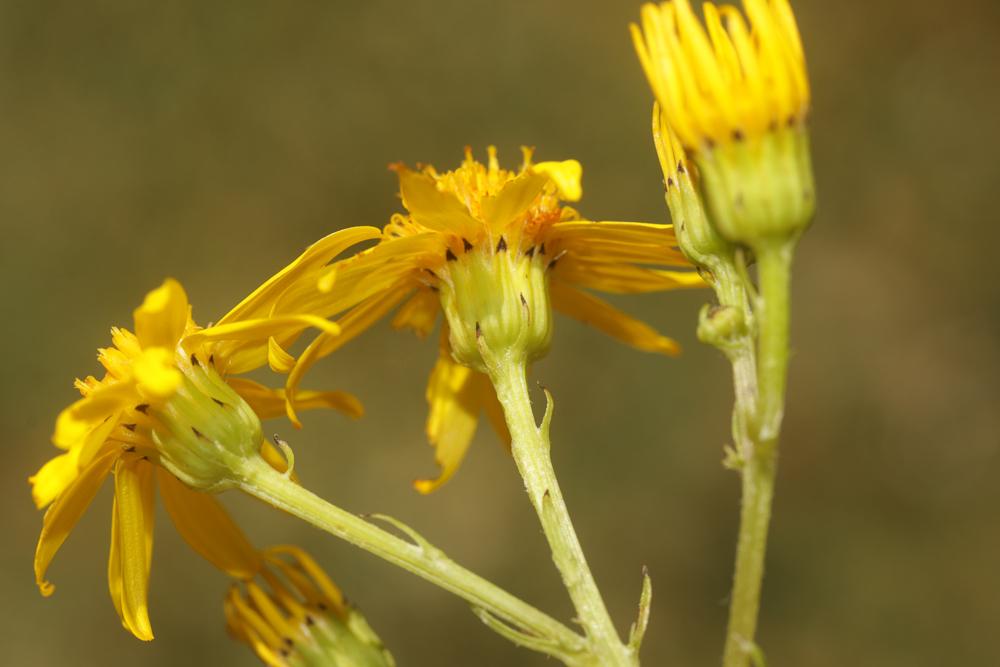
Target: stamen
{"x":142,"y":407}
{"x":501,"y":244}
{"x":450,"y":256}
{"x":466,"y":244}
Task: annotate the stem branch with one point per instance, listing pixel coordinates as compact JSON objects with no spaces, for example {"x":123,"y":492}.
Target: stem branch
{"x":530,"y":448}
{"x":546,"y":634}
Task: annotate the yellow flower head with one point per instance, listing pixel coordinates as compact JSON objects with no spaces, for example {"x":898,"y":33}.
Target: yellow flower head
{"x":495,"y":250}
{"x":294,"y":615}
{"x":725,"y":80}
{"x":161,"y":410}
{"x":736,"y":95}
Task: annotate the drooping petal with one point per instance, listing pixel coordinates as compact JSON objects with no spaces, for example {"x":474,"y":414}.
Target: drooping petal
{"x":432,"y":208}
{"x":208,"y":528}
{"x":269,"y":403}
{"x":566,"y":175}
{"x":54,"y":477}
{"x":356,"y":321}
{"x":454,"y":395}
{"x":639,"y":242}
{"x":603,"y":316}
{"x":620,"y":278}
{"x":162,"y":317}
{"x":134,"y":513}
{"x":65,"y":512}
{"x":260,"y":301}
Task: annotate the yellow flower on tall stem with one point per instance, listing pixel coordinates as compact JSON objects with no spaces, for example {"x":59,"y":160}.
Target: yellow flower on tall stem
{"x":162,"y":412}
{"x":735,"y":96}
{"x":495,"y":250}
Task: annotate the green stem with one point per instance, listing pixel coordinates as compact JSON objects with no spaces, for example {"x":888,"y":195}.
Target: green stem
{"x":759,"y":452}
{"x":524,"y":624}
{"x":531,"y":450}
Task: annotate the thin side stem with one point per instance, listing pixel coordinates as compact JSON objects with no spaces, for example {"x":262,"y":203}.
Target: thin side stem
{"x":759,"y":456}
{"x":535,"y":629}
{"x":531,"y":451}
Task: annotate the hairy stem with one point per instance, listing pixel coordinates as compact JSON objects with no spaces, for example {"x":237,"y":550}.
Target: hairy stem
{"x":758,"y":453}
{"x":538,"y":630}
{"x":530,"y":448}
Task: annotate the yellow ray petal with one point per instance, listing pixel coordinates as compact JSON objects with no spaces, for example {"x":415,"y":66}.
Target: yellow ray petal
{"x":269,"y":403}
{"x":134,"y":505}
{"x":455,"y":397}
{"x":278,"y":360}
{"x":419,"y":313}
{"x":432,"y":208}
{"x":259,"y":303}
{"x":618,"y":278}
{"x":329,"y":591}
{"x":160,"y":320}
{"x":262,"y":329}
{"x":208,"y":528}
{"x":77,"y":421}
{"x":513,"y":200}
{"x":155,"y":373}
{"x":603,"y":316}
{"x":566,"y":175}
{"x":54,"y":477}
{"x":639,"y":242}
{"x":357,"y":320}
{"x":65,"y":512}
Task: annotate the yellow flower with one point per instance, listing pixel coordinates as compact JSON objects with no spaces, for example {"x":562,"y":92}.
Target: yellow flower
{"x":734,"y":81}
{"x":493,"y":249}
{"x":295,"y":615}
{"x":737,"y":97}
{"x":161,"y":410}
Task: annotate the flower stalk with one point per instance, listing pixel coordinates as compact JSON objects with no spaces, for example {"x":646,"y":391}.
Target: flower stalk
{"x":756,"y":426}
{"x":530,"y":446}
{"x":528,"y":626}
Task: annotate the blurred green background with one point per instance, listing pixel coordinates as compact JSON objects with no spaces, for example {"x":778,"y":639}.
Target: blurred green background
{"x":213,"y":141}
